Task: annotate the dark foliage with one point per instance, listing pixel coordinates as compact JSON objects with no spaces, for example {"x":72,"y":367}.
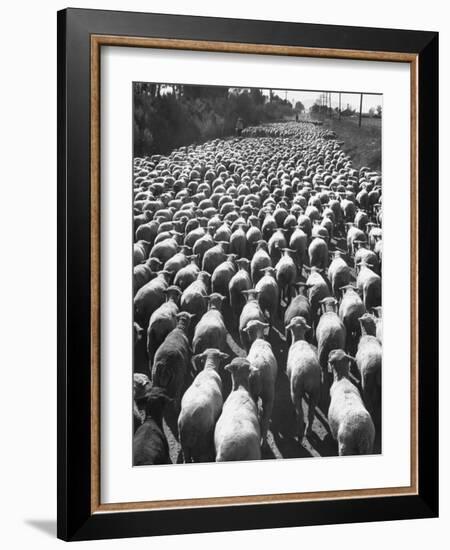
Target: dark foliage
{"x":169,"y":116}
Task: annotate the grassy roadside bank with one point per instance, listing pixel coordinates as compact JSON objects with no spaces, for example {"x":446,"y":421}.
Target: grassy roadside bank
{"x":362,"y":144}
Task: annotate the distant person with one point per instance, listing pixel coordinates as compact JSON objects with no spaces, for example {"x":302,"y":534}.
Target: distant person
{"x":296,"y":117}
{"x":239,"y":126}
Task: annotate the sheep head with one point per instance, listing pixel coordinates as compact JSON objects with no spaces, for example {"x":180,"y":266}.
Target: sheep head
{"x":211,"y":357}
{"x":368,"y":324}
{"x":156,"y":400}
{"x":184,"y":319}
{"x":298,"y":327}
{"x":243,"y":263}
{"x":329,"y":304}
{"x":255,"y":329}
{"x":173,"y":293}
{"x":215,"y":301}
{"x":339,"y":363}
{"x":239,"y":369}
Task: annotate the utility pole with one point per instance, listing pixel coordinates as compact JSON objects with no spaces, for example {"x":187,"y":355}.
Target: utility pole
{"x":360,"y":109}
{"x":339,"y":105}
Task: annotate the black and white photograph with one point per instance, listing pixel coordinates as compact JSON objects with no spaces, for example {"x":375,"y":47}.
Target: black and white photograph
{"x":257,"y":268}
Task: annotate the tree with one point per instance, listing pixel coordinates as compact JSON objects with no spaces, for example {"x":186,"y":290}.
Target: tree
{"x":299,"y":107}
{"x":379,"y":110}
{"x":257,"y":96}
{"x":371,"y":112}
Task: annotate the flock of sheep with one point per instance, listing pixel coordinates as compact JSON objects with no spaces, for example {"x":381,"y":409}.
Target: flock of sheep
{"x":257,"y":267}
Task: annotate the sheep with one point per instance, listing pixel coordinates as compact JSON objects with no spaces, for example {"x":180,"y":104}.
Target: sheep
{"x":140,"y":356}
{"x":286,"y":274}
{"x":338,"y":273}
{"x":171,"y":360}
{"x":167,"y":248}
{"x":141,"y":275}
{"x":139,"y":253}
{"x":223,"y":233}
{"x":369,"y":285}
{"x":188,"y":274}
{"x":259,"y":262}
{"x":237,"y":434}
{"x":263,"y":372}
{"x":214,"y":256}
{"x":298,"y":307}
{"x":140,"y":220}
{"x":269,"y":294}
{"x":350,"y":423}
{"x":368,"y":359}
{"x":210,"y":330}
{"x":318,"y":289}
{"x":222,"y":276}
{"x":353,"y":234}
{"x":238,"y":241}
{"x":361,"y":219}
{"x":365,"y":255}
{"x":177,"y":262}
{"x":149,"y":297}
{"x":253,"y":236}
{"x":276,"y":244}
{"x":304,"y":374}
{"x":351,"y":309}
{"x":304,"y":223}
{"x":239,"y":282}
{"x":348,"y":210}
{"x":320,"y":231}
{"x":318,"y":253}
{"x":203,"y":244}
{"x":149,"y":442}
{"x":201,"y":406}
{"x":162,"y":321}
{"x":374,"y":233}
{"x":194,"y":298}
{"x":269,"y":225}
{"x":330,"y":333}
{"x":298,"y":242}
{"x":292,"y":183}
{"x":250,"y":312}
{"x":379,"y":323}
{"x":141,"y":388}
{"x":193,"y":235}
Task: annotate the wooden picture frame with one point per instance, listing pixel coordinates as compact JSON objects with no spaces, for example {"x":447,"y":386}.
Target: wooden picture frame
{"x":81,"y":35}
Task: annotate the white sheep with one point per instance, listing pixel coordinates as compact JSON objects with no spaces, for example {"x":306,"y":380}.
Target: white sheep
{"x":350,"y":423}
{"x":368,"y":359}
{"x":237,"y":435}
{"x":201,"y":406}
{"x":338,"y":273}
{"x":250,"y":312}
{"x":369,"y":285}
{"x":304,"y":374}
{"x":210,"y":331}
{"x":263,"y":372}
{"x":351,"y":309}
{"x":330,"y":333}
{"x":162,"y":321}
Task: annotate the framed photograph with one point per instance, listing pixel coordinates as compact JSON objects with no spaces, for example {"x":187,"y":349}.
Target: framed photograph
{"x":247,"y":255}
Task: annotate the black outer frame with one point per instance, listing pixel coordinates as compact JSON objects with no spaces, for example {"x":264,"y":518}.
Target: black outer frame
{"x":75,"y":521}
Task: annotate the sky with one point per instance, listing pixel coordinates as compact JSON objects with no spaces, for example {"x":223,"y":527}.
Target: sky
{"x":308,"y":98}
